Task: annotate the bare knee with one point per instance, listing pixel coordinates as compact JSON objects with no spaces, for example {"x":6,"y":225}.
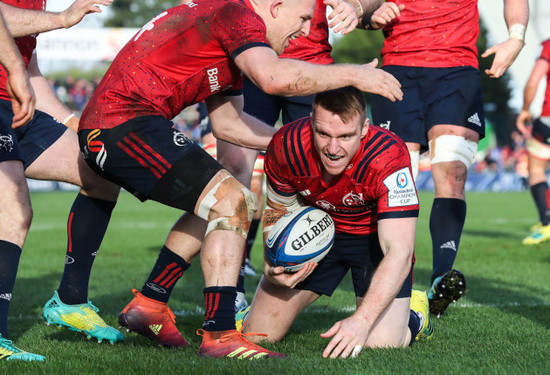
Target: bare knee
{"x":228,"y":205}
{"x":95,"y":186}
{"x":449,"y":179}
{"x":16,"y":221}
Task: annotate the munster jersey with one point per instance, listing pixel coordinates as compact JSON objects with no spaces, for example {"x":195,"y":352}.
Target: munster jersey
{"x":314,"y":48}
{"x":26,"y":44}
{"x":545,"y":54}
{"x":179,"y":58}
{"x":377,"y":184}
{"x":433,"y":34}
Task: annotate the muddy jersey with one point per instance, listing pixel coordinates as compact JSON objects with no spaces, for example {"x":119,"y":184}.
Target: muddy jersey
{"x":26,"y":44}
{"x":179,"y":58}
{"x":377,"y":184}
{"x":434,"y":34}
{"x":314,"y":48}
{"x":545,"y":54}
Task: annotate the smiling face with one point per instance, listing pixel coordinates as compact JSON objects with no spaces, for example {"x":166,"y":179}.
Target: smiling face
{"x":337,"y":141}
{"x":288,"y":19}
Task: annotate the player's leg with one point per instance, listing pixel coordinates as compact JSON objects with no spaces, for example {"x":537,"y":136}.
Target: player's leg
{"x":538,"y":156}
{"x":52,"y":153}
{"x":180,"y":174}
{"x":15,"y":222}
{"x":257,"y":187}
{"x":405,"y":118}
{"x":274,"y":309}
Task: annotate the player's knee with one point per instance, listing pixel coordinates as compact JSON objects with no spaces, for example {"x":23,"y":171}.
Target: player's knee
{"x":452,"y":148}
{"x":16,"y":222}
{"x":97,"y":187}
{"x":230,"y":206}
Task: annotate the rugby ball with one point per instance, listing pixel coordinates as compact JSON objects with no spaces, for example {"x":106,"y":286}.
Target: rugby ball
{"x":301,"y":236}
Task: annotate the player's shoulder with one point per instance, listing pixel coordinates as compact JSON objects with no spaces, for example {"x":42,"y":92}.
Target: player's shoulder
{"x":294,"y":131}
{"x":378,"y":134}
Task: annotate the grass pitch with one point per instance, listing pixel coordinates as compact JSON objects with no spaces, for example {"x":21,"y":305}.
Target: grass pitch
{"x":501,"y":326}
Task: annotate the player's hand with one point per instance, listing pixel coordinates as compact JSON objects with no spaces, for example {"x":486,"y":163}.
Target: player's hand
{"x":377,"y":81}
{"x":22,"y":98}
{"x":505,"y":54}
{"x":343,"y":17}
{"x":79,"y":9}
{"x":348,"y":337}
{"x":278,"y":276}
{"x":385,"y":15}
{"x":523,"y":123}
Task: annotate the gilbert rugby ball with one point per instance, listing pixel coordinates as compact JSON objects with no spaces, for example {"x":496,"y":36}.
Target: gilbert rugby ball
{"x":301,"y":236}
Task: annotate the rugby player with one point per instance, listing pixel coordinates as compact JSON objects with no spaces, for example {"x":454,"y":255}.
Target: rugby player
{"x":187,"y":54}
{"x":315,"y":48}
{"x":46,"y":149}
{"x":360,"y":174}
{"x":431,"y":49}
{"x":537,"y":134}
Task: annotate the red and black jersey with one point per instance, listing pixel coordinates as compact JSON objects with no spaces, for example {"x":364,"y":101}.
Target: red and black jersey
{"x":434,"y":34}
{"x":314,"y":48}
{"x":545,"y":54}
{"x":377,"y":184}
{"x":26,"y":44}
{"x":179,"y":58}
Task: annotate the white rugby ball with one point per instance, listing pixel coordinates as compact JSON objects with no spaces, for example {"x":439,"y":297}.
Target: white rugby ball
{"x":301,"y":236}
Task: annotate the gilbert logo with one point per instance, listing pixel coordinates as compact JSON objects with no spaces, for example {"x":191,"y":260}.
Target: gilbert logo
{"x":6,"y":296}
{"x":213,"y":79}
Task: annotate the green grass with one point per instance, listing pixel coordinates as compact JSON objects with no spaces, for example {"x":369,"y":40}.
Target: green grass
{"x":501,"y":326}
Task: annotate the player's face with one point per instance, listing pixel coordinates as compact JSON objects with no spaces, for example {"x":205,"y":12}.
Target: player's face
{"x":336,"y":141}
{"x":288,"y":20}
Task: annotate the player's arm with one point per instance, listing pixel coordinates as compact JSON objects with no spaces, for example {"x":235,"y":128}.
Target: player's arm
{"x":277,"y":206}
{"x":18,"y":85}
{"x":290,"y":77}
{"x":516,"y":15}
{"x":539,"y":71}
{"x":23,"y":22}
{"x":231,"y":124}
{"x":396,"y":237}
{"x":47,"y":100}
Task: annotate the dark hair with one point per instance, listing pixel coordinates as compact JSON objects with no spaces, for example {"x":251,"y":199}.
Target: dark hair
{"x":345,"y":102}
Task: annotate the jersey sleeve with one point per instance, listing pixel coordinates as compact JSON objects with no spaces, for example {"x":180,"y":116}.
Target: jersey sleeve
{"x":238,"y":29}
{"x":545,"y":53}
{"x":276,"y":168}
{"x":397,"y":196}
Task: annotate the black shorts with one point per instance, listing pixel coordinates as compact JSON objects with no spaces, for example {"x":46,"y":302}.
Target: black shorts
{"x":27,"y":142}
{"x":541,"y":130}
{"x":431,"y":96}
{"x":361,"y":254}
{"x":151,"y":159}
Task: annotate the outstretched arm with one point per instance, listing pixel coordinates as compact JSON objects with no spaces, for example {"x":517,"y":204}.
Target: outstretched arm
{"x":18,"y":85}
{"x":516,"y":15}
{"x":290,"y":77}
{"x":23,"y":22}
{"x":397,"y":241}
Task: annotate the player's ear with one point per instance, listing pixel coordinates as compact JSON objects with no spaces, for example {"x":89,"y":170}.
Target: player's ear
{"x":275,"y":7}
{"x":365,"y":128}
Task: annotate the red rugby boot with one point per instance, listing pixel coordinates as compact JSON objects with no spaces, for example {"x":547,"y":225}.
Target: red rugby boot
{"x":232,"y":344}
{"x":152,"y":319}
